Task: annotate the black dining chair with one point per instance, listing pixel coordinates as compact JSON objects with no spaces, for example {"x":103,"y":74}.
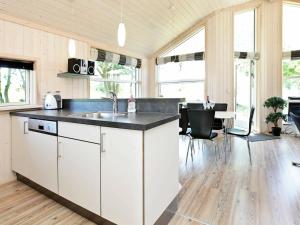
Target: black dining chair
{"x":218,"y":123}
{"x":296,"y":119}
{"x":243,"y":133}
{"x":198,"y":106}
{"x":184,"y":121}
{"x":201,"y":122}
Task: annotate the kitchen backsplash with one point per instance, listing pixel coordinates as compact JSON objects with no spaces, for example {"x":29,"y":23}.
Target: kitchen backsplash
{"x":162,"y":105}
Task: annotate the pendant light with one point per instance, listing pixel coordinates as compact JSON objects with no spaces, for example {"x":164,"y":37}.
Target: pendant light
{"x":72,"y":44}
{"x":121,"y":29}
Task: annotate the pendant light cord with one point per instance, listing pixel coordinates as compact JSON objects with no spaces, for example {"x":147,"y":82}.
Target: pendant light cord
{"x":122,"y":11}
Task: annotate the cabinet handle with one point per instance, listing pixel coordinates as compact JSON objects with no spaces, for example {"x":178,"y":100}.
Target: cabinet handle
{"x":58,"y":150}
{"x":25,"y":127}
{"x":102,"y":142}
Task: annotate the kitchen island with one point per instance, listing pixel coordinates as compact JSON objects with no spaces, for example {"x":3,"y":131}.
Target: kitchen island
{"x":122,"y":168}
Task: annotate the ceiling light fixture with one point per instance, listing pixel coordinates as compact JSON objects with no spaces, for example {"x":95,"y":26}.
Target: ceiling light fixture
{"x":121,"y":29}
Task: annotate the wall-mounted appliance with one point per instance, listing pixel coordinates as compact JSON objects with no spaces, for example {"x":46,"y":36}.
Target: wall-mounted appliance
{"x":53,"y":101}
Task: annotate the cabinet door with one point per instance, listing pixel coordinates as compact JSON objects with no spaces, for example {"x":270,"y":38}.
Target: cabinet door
{"x":20,"y":145}
{"x":121,"y":176}
{"x":43,"y":160}
{"x":79,"y":173}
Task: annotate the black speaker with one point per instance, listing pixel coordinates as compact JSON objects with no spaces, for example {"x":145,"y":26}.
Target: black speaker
{"x":91,"y":68}
{"x":74,"y":65}
{"x":78,"y":66}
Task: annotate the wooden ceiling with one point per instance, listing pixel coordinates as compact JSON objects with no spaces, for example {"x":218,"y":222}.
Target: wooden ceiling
{"x":150,"y":24}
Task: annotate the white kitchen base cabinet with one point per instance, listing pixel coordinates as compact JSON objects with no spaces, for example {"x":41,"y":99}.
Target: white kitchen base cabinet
{"x":43,"y":160}
{"x":122,"y":176}
{"x":20,"y":145}
{"x":161,"y":161}
{"x":34,"y":155}
{"x":79,"y":173}
{"x":128,"y":177}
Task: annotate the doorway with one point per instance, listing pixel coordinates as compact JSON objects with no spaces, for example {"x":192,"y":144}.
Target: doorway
{"x":245,"y":91}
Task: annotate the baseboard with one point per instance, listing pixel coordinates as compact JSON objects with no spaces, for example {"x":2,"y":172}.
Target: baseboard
{"x":168,"y":213}
{"x":72,"y":206}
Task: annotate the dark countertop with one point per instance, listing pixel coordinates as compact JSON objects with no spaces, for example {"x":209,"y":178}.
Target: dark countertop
{"x":133,"y":121}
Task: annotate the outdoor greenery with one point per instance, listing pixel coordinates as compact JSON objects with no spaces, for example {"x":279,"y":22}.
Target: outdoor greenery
{"x":12,"y":85}
{"x":112,"y":72}
{"x":275,"y":103}
{"x":290,"y":70}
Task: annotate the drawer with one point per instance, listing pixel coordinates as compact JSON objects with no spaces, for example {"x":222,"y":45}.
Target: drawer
{"x":79,"y":131}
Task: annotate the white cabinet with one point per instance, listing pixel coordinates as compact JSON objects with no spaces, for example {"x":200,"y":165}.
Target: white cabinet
{"x":122,"y":176}
{"x":20,"y":145}
{"x":79,"y":131}
{"x":161,"y":162}
{"x":34,"y":155}
{"x":43,"y":160}
{"x":79,"y":172}
{"x":127,"y":176}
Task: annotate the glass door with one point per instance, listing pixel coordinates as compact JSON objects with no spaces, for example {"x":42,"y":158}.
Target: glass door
{"x":245,"y":91}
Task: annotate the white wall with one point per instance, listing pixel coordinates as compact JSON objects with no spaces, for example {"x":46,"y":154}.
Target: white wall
{"x":5,"y":150}
{"x":50,"y":53}
{"x":219,"y":57}
{"x":269,"y":77}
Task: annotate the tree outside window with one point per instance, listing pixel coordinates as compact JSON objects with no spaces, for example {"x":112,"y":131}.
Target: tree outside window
{"x":123,"y":80}
{"x":14,"y":86}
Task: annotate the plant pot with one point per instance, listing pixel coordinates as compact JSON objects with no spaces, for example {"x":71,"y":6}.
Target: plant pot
{"x":276,"y":131}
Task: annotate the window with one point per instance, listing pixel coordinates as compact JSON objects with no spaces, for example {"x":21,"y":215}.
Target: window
{"x":15,"y":80}
{"x":244,"y":31}
{"x":291,"y":37}
{"x":123,"y":80}
{"x":183,"y":79}
{"x":291,"y":78}
{"x":245,"y":69}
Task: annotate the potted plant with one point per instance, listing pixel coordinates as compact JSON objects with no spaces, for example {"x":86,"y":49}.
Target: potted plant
{"x":277,"y":104}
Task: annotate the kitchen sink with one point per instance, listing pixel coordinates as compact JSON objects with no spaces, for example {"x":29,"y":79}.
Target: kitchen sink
{"x":98,"y":115}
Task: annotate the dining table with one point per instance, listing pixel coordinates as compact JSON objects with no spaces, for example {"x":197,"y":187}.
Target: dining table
{"x":227,"y":118}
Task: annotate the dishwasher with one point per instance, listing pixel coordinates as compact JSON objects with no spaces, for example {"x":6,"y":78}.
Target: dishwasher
{"x":43,"y":153}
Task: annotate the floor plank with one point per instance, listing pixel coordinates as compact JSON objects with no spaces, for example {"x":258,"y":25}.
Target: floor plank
{"x":236,"y":192}
{"x":213,"y":192}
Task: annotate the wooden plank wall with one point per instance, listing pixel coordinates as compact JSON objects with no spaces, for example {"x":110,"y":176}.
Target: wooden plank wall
{"x":50,"y":51}
{"x":219,"y":57}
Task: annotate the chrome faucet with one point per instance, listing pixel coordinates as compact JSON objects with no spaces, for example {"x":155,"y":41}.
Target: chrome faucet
{"x":114,"y":99}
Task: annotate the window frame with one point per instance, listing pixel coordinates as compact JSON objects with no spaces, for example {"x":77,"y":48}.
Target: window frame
{"x":180,"y":81}
{"x":285,"y":56}
{"x":296,"y":76}
{"x":29,"y":92}
{"x":137,"y":82}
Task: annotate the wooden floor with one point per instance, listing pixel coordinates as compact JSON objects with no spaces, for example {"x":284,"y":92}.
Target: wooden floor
{"x":213,"y":192}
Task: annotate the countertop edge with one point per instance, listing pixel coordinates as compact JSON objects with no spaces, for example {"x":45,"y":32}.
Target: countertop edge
{"x":113,"y":124}
{"x":6,"y":110}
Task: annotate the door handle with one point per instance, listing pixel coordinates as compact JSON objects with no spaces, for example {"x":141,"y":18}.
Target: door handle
{"x":25,"y":127}
{"x":102,"y":142}
{"x":58,"y":150}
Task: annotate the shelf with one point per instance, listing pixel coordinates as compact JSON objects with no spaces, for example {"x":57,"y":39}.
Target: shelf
{"x":92,"y":78}
{"x":75,"y":75}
